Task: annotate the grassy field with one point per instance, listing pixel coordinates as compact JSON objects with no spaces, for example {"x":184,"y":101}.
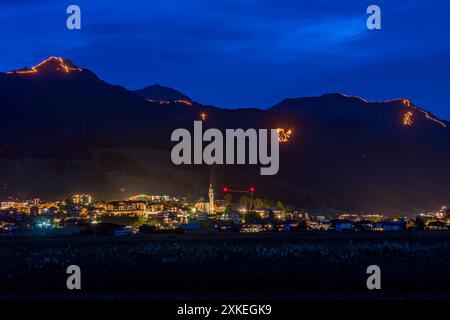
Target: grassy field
{"x":307,"y":266}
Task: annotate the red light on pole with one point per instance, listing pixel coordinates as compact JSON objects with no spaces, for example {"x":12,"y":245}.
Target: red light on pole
{"x":252,"y":189}
{"x":225,"y":189}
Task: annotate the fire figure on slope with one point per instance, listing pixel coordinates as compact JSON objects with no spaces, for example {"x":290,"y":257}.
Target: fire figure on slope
{"x":284,"y":135}
{"x":407,"y":119}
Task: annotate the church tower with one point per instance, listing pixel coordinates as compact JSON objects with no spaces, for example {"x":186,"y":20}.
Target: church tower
{"x":211,"y":199}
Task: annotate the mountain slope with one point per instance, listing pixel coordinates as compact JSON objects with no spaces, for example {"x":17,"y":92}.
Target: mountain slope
{"x":157,"y":92}
{"x":344,"y":151}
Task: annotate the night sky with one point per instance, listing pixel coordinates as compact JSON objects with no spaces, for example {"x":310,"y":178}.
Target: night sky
{"x":244,"y":53}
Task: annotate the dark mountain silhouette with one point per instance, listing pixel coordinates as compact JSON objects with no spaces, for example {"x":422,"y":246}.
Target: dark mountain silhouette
{"x":65,"y":130}
{"x":158,"y":92}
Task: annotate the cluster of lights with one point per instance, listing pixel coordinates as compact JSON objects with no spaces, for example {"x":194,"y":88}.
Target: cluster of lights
{"x":184,"y":101}
{"x":162,"y":101}
{"x":44,"y":224}
{"x":284,"y":135}
{"x":158,"y":101}
{"x":62,"y":67}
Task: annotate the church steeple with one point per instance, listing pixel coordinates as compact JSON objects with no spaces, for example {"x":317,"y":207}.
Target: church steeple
{"x":211,"y":208}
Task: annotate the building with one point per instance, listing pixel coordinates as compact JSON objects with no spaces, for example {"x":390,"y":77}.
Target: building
{"x":436,"y":225}
{"x":132,"y":208}
{"x":152,"y":198}
{"x":154,"y":207}
{"x":349,"y":217}
{"x":8,"y":205}
{"x":341,"y":225}
{"x":219,"y":206}
{"x":320,"y":226}
{"x":251,"y":228}
{"x":230,"y":216}
{"x":201,"y":205}
{"x":211,"y":207}
{"x":199,"y":215}
{"x":390,"y":225}
{"x":190,"y":227}
{"x":81,"y":199}
{"x":17,"y":205}
{"x":207,"y":206}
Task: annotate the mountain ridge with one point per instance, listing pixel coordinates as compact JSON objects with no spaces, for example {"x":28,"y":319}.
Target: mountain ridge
{"x":344,"y":152}
{"x":157,"y":92}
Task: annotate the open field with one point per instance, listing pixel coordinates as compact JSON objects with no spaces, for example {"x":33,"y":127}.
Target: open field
{"x":414,"y":265}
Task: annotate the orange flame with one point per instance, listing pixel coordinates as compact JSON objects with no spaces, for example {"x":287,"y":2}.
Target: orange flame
{"x":284,"y":135}
{"x":406,"y":102}
{"x":407,"y":121}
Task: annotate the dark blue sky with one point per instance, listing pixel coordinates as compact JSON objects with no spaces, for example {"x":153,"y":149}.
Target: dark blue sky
{"x":244,"y":53}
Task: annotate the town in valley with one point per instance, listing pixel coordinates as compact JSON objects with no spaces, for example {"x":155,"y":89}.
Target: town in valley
{"x":236,"y":211}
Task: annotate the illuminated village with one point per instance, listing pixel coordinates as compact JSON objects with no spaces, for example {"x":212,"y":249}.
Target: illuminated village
{"x":237,"y":211}
{"x":231,"y":210}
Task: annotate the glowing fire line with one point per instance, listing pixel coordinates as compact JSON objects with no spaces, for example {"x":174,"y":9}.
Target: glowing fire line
{"x":34,"y":69}
{"x":407,"y":103}
{"x":427,"y":115}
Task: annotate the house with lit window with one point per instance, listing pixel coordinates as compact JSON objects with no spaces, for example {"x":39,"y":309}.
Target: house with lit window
{"x":132,"y":208}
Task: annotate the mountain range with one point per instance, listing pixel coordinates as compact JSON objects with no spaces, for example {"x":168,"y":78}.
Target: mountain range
{"x":65,"y":130}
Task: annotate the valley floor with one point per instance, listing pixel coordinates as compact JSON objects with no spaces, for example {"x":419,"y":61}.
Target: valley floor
{"x":298,"y":266}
